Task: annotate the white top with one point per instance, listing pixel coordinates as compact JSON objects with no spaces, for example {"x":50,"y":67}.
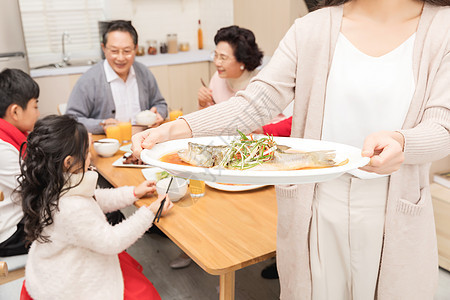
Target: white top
{"x":81,"y":262}
{"x":125,"y":94}
{"x":374,"y":93}
{"x":10,"y":211}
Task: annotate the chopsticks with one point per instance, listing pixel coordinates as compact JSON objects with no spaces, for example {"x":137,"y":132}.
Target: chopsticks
{"x":104,"y":142}
{"x":204,"y":84}
{"x":160,"y":209}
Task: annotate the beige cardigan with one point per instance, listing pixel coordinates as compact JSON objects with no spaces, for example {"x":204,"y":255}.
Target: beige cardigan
{"x":298,"y":70}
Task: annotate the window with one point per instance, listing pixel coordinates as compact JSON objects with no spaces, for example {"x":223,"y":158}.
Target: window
{"x":45,"y":21}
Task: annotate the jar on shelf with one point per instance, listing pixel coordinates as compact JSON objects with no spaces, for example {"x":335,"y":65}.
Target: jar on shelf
{"x":140,"y":51}
{"x":152,"y":47}
{"x":163,"y":47}
{"x":172,"y":43}
{"x":184,"y":47}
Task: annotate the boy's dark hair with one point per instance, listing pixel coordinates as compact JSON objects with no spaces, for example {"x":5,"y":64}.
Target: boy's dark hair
{"x":244,"y":45}
{"x":17,"y":87}
{"x":120,"y":25}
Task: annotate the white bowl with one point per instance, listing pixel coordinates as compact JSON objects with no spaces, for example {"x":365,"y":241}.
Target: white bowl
{"x":106,"y":147}
{"x":146,"y":118}
{"x":177,"y":190}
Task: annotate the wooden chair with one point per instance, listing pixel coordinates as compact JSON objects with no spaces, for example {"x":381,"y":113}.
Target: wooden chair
{"x":12,"y":272}
{"x":12,"y":275}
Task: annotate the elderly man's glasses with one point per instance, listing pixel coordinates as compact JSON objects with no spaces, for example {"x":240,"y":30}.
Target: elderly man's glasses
{"x":127,"y":52}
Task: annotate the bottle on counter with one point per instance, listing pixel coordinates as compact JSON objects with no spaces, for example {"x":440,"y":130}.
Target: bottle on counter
{"x":163,"y":48}
{"x":200,"y":35}
{"x":172,"y":43}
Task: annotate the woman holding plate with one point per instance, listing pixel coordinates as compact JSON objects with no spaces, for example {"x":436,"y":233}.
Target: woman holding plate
{"x":372,"y":74}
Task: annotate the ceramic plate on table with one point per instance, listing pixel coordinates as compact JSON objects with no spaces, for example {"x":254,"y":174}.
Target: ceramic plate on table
{"x":120,"y":160}
{"x":232,"y":187}
{"x":343,"y":153}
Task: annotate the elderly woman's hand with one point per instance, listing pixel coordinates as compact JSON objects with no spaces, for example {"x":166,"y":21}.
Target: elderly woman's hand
{"x":205,"y":98}
{"x":385,"y":149}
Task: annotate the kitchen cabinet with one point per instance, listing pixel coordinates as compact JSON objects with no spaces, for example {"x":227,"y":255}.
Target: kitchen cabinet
{"x":441,"y":206}
{"x":269,"y":20}
{"x":54,"y":90}
{"x":179,"y":84}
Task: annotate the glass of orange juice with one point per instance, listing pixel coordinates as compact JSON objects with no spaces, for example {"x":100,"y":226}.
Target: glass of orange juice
{"x":196,"y":188}
{"x":113,"y":132}
{"x":125,"y":131}
{"x":174,"y":114}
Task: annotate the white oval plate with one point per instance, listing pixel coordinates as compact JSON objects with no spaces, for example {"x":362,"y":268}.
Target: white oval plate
{"x":233,"y":188}
{"x":343,"y":152}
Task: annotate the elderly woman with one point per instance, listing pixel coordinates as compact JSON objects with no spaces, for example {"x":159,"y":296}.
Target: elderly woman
{"x":236,"y":58}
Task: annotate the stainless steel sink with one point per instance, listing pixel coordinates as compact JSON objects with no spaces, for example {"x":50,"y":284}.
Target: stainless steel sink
{"x":74,"y":63}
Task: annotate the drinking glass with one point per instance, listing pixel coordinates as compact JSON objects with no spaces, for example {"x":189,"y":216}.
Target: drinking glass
{"x":125,"y":131}
{"x":196,"y":188}
{"x":113,"y":132}
{"x":174,"y":114}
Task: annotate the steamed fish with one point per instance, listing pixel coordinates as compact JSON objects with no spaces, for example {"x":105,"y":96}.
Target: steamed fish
{"x":262,"y":154}
{"x":202,"y":155}
{"x":298,"y":160}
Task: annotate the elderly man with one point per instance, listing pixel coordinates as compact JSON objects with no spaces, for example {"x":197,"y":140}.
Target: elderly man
{"x":117,"y":88}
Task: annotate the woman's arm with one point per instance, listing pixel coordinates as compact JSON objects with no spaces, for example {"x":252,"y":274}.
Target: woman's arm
{"x":265,"y":97}
{"x":430,"y":139}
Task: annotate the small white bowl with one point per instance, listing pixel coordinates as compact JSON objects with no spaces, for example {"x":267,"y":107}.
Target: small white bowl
{"x":177,"y":190}
{"x":106,"y":147}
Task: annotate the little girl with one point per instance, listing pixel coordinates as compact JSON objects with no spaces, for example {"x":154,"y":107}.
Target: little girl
{"x":75,"y":253}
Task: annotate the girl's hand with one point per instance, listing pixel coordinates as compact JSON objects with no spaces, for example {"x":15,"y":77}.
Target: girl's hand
{"x":385,"y":149}
{"x":155,"y":205}
{"x":205,"y":98}
{"x":146,"y":187}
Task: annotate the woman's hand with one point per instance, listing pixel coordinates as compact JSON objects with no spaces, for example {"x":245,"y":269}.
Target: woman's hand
{"x":155,"y":205}
{"x":145,"y":140}
{"x":385,"y":149}
{"x":177,"y":129}
{"x":146,"y":187}
{"x":205,"y":98}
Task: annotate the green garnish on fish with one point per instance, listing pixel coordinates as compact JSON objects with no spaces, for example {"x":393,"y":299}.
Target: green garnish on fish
{"x":246,"y":152}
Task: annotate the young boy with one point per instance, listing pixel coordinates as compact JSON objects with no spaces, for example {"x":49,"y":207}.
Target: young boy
{"x":18,"y":113}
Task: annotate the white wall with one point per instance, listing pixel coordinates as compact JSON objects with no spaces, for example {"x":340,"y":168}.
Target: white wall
{"x":154,"y":19}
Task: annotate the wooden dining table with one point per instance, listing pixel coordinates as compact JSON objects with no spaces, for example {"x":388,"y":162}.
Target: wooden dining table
{"x":222,"y":231}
